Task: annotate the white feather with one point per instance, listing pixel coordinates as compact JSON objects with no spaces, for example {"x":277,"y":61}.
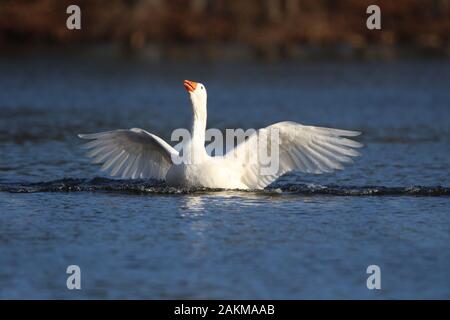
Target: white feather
{"x":130,"y":153}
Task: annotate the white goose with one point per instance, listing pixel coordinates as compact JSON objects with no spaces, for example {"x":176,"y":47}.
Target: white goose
{"x":136,"y":153}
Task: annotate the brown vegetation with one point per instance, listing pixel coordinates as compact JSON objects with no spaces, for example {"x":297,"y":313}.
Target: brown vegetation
{"x":264,"y":25}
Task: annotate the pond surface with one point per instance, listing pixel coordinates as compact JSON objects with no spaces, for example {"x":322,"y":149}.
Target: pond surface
{"x":305,"y":237}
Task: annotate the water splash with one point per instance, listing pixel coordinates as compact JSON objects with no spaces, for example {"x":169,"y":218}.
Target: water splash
{"x":156,"y":187}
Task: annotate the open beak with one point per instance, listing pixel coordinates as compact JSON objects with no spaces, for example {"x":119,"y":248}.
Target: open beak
{"x":190,"y":85}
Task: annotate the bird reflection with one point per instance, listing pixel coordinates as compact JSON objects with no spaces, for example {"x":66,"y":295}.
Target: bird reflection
{"x":193,"y":205}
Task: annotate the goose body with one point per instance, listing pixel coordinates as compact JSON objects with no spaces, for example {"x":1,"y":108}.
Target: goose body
{"x":136,"y":153}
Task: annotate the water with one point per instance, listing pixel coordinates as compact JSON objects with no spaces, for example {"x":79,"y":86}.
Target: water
{"x":305,"y":237}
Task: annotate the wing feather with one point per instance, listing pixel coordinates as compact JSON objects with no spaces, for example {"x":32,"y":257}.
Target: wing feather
{"x":301,"y":148}
{"x":133,"y":153}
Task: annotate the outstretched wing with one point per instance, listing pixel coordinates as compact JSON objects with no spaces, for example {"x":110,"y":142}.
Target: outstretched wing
{"x":300,"y":148}
{"x":133,"y":153}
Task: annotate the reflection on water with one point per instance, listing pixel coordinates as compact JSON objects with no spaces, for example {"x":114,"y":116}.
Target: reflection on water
{"x":193,"y":206}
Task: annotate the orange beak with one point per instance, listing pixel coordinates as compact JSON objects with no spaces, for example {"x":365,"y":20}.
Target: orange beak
{"x":190,"y":85}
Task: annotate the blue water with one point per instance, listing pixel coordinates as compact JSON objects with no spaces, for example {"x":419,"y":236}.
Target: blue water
{"x":305,"y":237}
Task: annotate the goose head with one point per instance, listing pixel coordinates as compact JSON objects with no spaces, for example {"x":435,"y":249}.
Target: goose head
{"x":197,"y":94}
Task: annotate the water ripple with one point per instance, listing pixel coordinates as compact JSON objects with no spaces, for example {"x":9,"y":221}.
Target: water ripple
{"x":156,"y":187}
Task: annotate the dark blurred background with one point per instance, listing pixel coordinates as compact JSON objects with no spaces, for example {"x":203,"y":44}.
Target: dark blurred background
{"x":221,"y":29}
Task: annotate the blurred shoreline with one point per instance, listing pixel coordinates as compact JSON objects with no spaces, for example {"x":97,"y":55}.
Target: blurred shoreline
{"x":210,"y":53}
{"x":267,"y":30}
